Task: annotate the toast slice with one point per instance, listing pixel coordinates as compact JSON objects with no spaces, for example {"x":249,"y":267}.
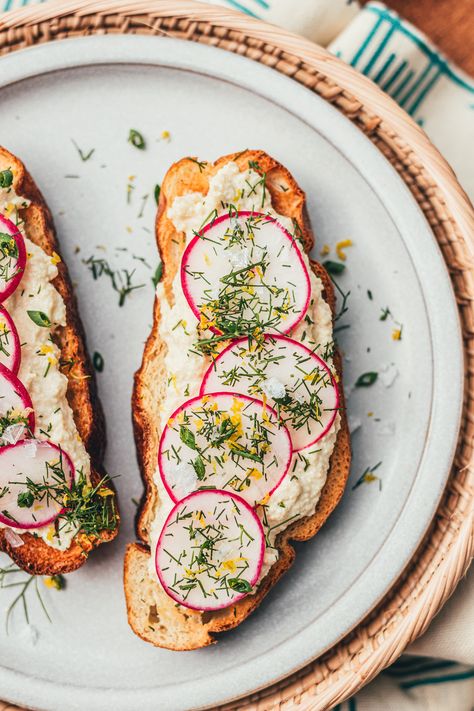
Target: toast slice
{"x":35,"y":555}
{"x":153,"y":615}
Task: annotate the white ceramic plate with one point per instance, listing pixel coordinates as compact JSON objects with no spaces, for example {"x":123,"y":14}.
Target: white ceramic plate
{"x":93,"y":91}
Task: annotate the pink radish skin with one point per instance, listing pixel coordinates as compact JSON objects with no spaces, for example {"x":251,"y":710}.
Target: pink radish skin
{"x":8,"y":287}
{"x":280,"y":447}
{"x":25,"y":459}
{"x":187,"y":283}
{"x":301,"y":438}
{"x":10,"y":343}
{"x":175,"y":538}
{"x":14,"y":395}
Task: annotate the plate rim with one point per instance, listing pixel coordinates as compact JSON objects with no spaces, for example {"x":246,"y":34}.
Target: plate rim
{"x":52,"y":47}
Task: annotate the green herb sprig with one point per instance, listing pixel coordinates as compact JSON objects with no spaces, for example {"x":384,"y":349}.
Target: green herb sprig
{"x":83,"y":155}
{"x":120,"y":279}
{"x":40,"y":318}
{"x":9,"y":579}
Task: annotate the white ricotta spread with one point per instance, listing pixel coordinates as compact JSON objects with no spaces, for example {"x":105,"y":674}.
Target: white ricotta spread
{"x":274,"y":388}
{"x":40,"y":358}
{"x":299,"y":492}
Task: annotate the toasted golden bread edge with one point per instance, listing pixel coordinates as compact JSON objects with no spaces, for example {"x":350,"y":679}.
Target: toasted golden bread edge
{"x":35,"y":556}
{"x":144,"y":426}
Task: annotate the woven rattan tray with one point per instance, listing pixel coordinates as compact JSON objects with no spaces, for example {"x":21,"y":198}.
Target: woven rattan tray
{"x":447,"y":549}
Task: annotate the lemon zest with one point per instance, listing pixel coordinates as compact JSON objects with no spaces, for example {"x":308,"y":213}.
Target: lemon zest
{"x":341,"y":246}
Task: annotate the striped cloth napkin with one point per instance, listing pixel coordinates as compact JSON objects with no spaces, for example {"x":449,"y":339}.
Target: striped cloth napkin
{"x":394,"y":54}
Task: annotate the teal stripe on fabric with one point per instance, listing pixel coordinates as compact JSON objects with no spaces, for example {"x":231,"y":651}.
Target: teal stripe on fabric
{"x":415,"y":668}
{"x":7,"y":5}
{"x":416,"y":85}
{"x":416,"y":104}
{"x":352,"y":704}
{"x":262,"y":3}
{"x":383,"y":69}
{"x":462,"y":676}
{"x":379,"y":49}
{"x":384,"y":14}
{"x":398,"y":71}
{"x":237,"y":6}
{"x":403,"y":84}
{"x":366,"y":42}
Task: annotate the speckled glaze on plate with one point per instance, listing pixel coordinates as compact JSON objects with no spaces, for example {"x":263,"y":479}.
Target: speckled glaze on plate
{"x":93,"y":91}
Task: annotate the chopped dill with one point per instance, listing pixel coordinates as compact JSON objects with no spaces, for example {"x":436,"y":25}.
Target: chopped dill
{"x":201,"y":164}
{"x":84,"y":156}
{"x":120,"y":279}
{"x":368,"y":476}
{"x":9,"y":579}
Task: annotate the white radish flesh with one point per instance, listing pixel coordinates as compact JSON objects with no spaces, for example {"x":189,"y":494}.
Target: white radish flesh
{"x":225,"y":441}
{"x":12,"y":257}
{"x":16,"y":408}
{"x":297,"y":383}
{"x":210,"y":551}
{"x":34,"y":478}
{"x":10,"y":350}
{"x":245,"y":273}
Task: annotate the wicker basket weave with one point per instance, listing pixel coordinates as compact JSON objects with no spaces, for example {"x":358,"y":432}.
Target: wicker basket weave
{"x":447,"y":549}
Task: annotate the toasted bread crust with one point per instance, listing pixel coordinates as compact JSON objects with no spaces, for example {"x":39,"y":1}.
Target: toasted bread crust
{"x":151,"y":613}
{"x":36,"y":556}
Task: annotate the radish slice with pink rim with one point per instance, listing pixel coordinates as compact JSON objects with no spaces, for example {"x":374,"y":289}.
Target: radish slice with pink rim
{"x":297,"y":383}
{"x":244,"y":271}
{"x":10,"y":349}
{"x":16,"y":409}
{"x":224,"y":441}
{"x":210,"y":552}
{"x":12,"y":257}
{"x":25,"y":469}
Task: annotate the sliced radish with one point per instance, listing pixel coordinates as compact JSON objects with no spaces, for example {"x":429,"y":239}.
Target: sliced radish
{"x":210,"y":552}
{"x":10,"y":349}
{"x":12,"y":257}
{"x":295,"y":380}
{"x":34,"y":478}
{"x":224,"y":441}
{"x":244,"y":274}
{"x":16,"y":409}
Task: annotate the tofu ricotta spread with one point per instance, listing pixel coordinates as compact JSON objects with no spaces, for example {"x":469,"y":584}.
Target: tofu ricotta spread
{"x":40,"y":369}
{"x":298,"y":494}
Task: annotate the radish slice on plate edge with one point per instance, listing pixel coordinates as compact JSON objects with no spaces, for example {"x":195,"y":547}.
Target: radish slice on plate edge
{"x":210,"y":551}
